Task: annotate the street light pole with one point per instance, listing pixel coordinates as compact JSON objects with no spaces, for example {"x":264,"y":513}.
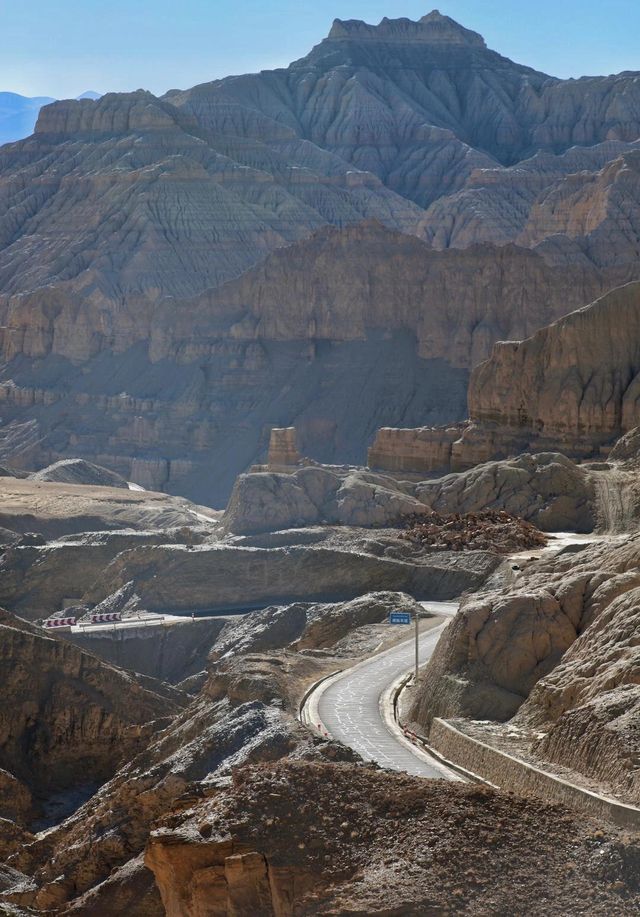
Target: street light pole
{"x":415,"y":618}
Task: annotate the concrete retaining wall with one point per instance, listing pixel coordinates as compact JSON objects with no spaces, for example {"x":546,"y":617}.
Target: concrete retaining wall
{"x":170,"y":652}
{"x":513,"y":774}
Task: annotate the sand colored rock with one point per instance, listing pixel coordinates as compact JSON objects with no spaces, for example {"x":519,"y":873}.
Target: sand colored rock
{"x":282,"y":447}
{"x":247,"y":850}
{"x":574,"y":380}
{"x":425,"y":449}
{"x":224,"y":576}
{"x":571,"y":387}
{"x":547,"y":489}
{"x":54,"y":510}
{"x":268,"y":501}
{"x":553,"y":654}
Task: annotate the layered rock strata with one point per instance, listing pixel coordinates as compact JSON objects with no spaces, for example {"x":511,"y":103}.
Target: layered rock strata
{"x":572,"y":387}
{"x":68,"y":719}
{"x":282,"y":448}
{"x":178,"y":307}
{"x":554,"y":656}
{"x":226,"y":576}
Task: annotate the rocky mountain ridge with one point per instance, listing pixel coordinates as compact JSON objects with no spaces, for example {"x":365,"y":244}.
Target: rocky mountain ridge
{"x":147,"y":247}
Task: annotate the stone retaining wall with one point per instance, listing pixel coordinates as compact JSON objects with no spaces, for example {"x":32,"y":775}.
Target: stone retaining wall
{"x":513,"y":774}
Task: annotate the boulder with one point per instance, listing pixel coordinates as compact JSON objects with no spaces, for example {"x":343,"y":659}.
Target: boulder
{"x":547,"y":489}
{"x":263,"y":502}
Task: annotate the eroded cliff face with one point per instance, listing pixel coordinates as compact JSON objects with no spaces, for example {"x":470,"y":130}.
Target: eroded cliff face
{"x":554,"y":655}
{"x":363,"y":318}
{"x":575,"y":380}
{"x":571,"y":387}
{"x":150,"y":325}
{"x":571,"y":207}
{"x":69,"y":720}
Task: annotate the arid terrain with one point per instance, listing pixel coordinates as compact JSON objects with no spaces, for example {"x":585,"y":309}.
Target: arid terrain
{"x":337,"y":244}
{"x":291,"y":361}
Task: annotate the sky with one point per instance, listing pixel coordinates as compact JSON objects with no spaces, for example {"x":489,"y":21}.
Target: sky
{"x":61,"y":48}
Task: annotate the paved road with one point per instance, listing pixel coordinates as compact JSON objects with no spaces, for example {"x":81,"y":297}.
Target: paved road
{"x":349,"y":707}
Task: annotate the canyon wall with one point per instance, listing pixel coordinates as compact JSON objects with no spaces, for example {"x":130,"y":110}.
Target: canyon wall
{"x":180,"y":274}
{"x":571,"y":387}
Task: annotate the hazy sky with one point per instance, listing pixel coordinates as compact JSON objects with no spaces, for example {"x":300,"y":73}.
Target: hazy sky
{"x":64,"y":47}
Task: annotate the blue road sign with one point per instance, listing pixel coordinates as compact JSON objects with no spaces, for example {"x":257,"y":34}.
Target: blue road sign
{"x":399,"y":617}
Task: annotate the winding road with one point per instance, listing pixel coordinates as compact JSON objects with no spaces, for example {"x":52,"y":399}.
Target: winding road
{"x":351,"y":706}
{"x":354,"y":706}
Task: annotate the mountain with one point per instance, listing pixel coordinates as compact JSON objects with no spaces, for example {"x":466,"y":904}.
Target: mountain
{"x":18,"y":114}
{"x":178,"y":274}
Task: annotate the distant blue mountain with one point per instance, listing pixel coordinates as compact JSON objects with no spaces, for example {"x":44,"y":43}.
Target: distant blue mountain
{"x":18,"y":114}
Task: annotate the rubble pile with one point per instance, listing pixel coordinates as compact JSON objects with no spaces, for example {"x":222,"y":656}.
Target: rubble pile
{"x":489,"y":530}
{"x":346,"y":839}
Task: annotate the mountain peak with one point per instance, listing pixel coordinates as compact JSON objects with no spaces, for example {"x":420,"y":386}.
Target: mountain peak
{"x":434,"y":28}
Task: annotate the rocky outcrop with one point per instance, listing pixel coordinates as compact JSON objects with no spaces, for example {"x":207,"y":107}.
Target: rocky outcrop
{"x":79,"y":471}
{"x":305,"y":626}
{"x":492,"y":654}
{"x":571,"y":387}
{"x":247,"y":850}
{"x":172,"y":652}
{"x":424,"y":449}
{"x":68,"y":719}
{"x":269,"y":501}
{"x":282,"y":447}
{"x":555,"y":656}
{"x":130,"y":889}
{"x":36,"y":581}
{"x":546,"y":489}
{"x":574,"y":381}
{"x":218,"y":577}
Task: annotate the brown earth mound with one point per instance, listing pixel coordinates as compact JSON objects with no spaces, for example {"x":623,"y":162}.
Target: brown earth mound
{"x":361,"y":841}
{"x":490,"y":530}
